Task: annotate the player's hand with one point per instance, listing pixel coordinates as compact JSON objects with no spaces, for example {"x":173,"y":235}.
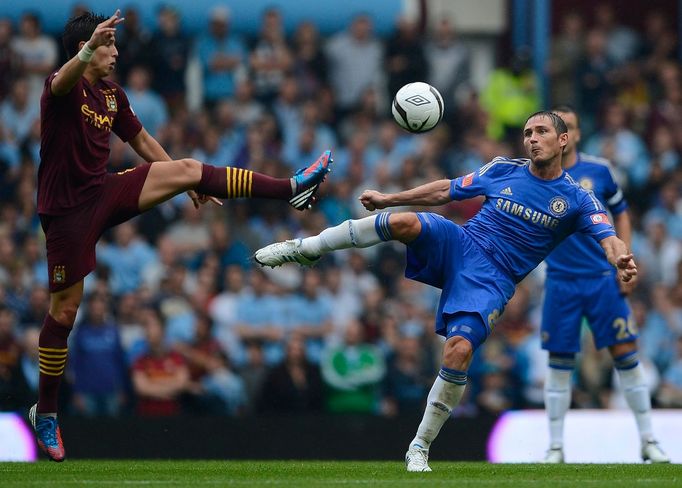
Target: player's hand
{"x":105,"y":32}
{"x":626,"y":267}
{"x":199,"y":200}
{"x":372,"y":200}
{"x":627,"y":287}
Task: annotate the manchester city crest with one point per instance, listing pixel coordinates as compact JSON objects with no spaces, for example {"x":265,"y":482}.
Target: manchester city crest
{"x":558,"y":206}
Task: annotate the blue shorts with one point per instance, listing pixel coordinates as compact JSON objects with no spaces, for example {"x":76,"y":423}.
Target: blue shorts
{"x":475,"y":291}
{"x":598,"y":299}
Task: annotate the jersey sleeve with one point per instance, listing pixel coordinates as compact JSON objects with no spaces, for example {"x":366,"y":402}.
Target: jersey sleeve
{"x":126,"y":124}
{"x":613,"y":193}
{"x":473,"y":184}
{"x":592,"y":218}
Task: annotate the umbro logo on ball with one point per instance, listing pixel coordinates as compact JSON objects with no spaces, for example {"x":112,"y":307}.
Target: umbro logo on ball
{"x":417,"y":100}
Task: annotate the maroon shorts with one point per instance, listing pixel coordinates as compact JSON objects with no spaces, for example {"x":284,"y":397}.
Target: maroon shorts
{"x":71,"y":238}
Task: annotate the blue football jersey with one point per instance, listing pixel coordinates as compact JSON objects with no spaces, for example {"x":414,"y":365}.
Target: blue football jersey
{"x":579,"y":255}
{"x":524,"y":217}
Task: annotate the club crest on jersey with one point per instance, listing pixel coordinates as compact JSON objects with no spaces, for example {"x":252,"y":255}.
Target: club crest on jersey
{"x":586,"y":184}
{"x":111,"y":103}
{"x":600,"y":218}
{"x":59,"y":274}
{"x":558,"y":206}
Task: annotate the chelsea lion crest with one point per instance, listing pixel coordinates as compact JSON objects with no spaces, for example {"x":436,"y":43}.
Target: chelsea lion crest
{"x":558,"y":206}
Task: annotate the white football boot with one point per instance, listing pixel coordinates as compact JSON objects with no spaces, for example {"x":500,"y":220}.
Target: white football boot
{"x":554,"y":455}
{"x":652,"y":452}
{"x":280,"y":253}
{"x":417,"y":460}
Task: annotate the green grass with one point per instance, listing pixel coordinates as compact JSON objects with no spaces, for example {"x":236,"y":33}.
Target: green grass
{"x":331,"y":473}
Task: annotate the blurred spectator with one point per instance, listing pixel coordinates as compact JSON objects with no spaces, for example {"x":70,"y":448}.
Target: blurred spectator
{"x":29,"y":359}
{"x":310,"y":64}
{"x":37,"y":54}
{"x":620,"y":145}
{"x":409,"y":376}
{"x":13,"y":388}
{"x":149,"y":107}
{"x":260,"y":317}
{"x":449,"y":64}
{"x":594,"y":79}
{"x":18,"y":113}
{"x":352,"y":374}
{"x":254,"y":373}
{"x":311,"y":314}
{"x":658,"y":253}
{"x":510,"y":96}
{"x":622,"y":42}
{"x":405,"y":61}
{"x":670,"y":395}
{"x":171,"y":53}
{"x":270,"y":57}
{"x":160,"y":376}
{"x":217,"y":388}
{"x":8,"y":59}
{"x":190,"y":234}
{"x":126,"y":257}
{"x":97,"y":361}
{"x":566,"y":52}
{"x":355,"y":60}
{"x":38,"y":306}
{"x":295,"y":385}
{"x":133,"y":42}
{"x":247,"y":110}
{"x":220,"y":53}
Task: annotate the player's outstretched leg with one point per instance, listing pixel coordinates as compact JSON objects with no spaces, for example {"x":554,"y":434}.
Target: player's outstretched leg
{"x":633,"y":381}
{"x":299,"y":190}
{"x":557,"y":402}
{"x":445,"y":394}
{"x":350,"y":233}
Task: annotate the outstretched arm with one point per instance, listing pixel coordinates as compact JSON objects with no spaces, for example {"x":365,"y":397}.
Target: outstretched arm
{"x":619,"y":257}
{"x":430,"y":194}
{"x":71,"y":72}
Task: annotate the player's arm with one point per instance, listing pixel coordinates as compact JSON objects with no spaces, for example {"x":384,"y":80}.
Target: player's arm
{"x":618,"y":255}
{"x":71,"y":72}
{"x":148,"y":148}
{"x":623,"y":226}
{"x":434,"y":193}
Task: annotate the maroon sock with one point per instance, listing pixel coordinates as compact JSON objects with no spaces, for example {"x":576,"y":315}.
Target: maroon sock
{"x":242,"y":183}
{"x":52,"y":352}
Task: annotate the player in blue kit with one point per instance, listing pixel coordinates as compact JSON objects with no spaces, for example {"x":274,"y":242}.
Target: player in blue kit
{"x":531,"y":205}
{"x":581,"y":283}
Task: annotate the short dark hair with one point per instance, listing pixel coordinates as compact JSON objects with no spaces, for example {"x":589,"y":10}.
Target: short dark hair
{"x":567,"y":109}
{"x":557,"y":122}
{"x":79,"y":29}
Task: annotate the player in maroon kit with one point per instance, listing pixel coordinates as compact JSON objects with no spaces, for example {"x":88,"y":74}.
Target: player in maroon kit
{"x":78,"y":200}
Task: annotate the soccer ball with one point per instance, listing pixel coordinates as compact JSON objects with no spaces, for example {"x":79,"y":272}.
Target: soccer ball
{"x":417,"y":107}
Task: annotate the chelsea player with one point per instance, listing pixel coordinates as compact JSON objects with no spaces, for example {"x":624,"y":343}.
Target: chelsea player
{"x":531,"y":206}
{"x":581,"y":283}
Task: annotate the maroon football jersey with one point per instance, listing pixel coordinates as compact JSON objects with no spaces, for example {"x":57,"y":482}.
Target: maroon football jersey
{"x":74,"y":141}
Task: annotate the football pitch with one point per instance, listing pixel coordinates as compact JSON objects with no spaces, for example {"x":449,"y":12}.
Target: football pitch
{"x":331,"y":473}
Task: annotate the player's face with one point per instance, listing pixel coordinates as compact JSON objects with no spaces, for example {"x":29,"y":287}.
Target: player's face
{"x":573,"y":130}
{"x":542,"y":142}
{"x":104,"y":59}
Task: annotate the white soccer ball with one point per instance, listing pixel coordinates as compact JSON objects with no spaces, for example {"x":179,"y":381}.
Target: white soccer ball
{"x":417,"y":107}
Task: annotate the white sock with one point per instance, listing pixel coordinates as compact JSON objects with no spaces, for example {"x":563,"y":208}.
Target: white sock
{"x":350,"y":233}
{"x":637,"y":395}
{"x":443,"y":397}
{"x":557,"y":402}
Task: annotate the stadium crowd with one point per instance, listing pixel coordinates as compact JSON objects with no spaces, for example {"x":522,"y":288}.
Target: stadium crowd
{"x":178,"y":319}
